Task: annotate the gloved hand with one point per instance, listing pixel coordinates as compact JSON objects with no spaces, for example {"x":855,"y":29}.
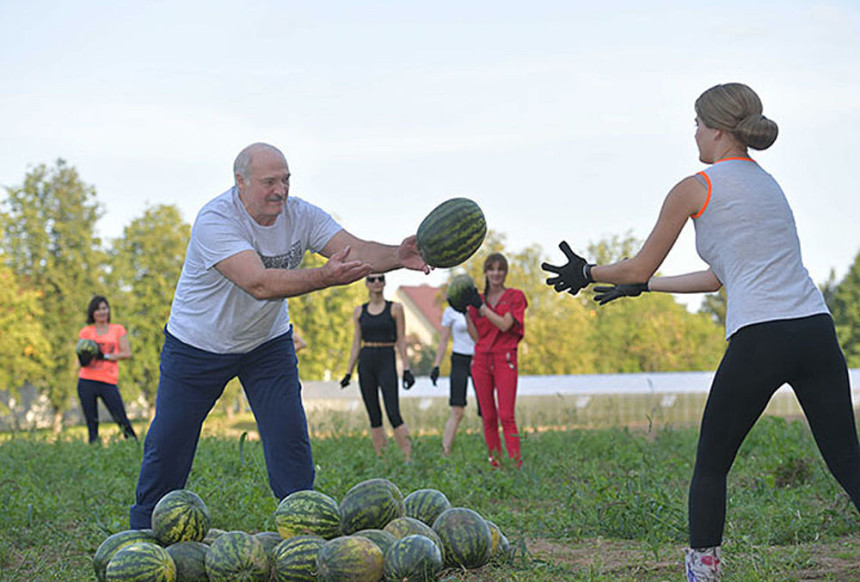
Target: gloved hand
{"x":572,"y":276}
{"x":100,"y":355}
{"x":434,"y":374}
{"x":85,"y":359}
{"x":473,"y":298}
{"x":408,"y":380}
{"x":345,"y":381}
{"x":604,"y":295}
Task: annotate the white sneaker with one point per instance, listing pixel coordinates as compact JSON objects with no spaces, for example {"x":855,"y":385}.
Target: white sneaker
{"x":703,"y":565}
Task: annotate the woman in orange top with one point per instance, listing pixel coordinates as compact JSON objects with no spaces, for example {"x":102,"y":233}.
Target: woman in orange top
{"x":98,"y":378}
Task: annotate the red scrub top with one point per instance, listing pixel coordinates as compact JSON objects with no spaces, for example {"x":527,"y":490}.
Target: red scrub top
{"x":491,"y":338}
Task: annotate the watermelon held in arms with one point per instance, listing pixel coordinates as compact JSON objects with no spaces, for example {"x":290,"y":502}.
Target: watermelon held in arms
{"x":190,"y":560}
{"x":115,"y":542}
{"x":370,"y":504}
{"x":426,"y":504}
{"x":295,"y":559}
{"x":458,"y":291}
{"x":451,"y":233}
{"x":349,"y":559}
{"x":414,"y":558}
{"x":465,"y":536}
{"x":86,"y":350}
{"x":308,"y":513}
{"x":141,"y":561}
{"x":180,"y":516}
{"x":237,"y":555}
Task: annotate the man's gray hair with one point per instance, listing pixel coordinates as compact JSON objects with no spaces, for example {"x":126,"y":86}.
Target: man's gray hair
{"x":242,"y":165}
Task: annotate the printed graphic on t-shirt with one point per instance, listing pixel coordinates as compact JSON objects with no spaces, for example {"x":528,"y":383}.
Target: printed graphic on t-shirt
{"x":290,"y":260}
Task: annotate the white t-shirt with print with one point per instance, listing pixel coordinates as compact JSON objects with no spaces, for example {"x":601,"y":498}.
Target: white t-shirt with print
{"x":212,"y":313}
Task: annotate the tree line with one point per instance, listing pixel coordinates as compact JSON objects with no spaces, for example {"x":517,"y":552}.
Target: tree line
{"x":52,"y":263}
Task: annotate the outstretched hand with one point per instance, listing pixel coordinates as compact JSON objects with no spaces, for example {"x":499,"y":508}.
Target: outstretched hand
{"x":570,"y":277}
{"x":339,"y":271}
{"x":409,"y":256}
{"x":604,"y":295}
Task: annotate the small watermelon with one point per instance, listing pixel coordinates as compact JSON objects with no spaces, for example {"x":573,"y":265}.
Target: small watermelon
{"x":295,"y":559}
{"x":212,"y":535}
{"x":114,"y":542}
{"x":190,"y":560}
{"x":451,"y":233}
{"x":180,"y":516}
{"x":458,"y":290}
{"x":406,"y":526}
{"x":308,"y":513}
{"x":415,"y":558}
{"x":237,"y":555}
{"x":370,"y":504}
{"x":86,"y":347}
{"x":466,"y":537}
{"x":380,"y":537}
{"x":269,"y":539}
{"x":349,"y":559}
{"x":426,"y":504}
{"x":141,"y":561}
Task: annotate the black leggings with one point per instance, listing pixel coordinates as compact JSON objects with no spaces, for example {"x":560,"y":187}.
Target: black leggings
{"x":760,"y":358}
{"x":88,"y":392}
{"x":377,"y":370}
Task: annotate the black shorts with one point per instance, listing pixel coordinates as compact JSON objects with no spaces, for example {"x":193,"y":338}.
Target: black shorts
{"x":461,"y":366}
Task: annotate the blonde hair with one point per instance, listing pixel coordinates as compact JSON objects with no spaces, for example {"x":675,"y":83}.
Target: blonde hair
{"x":735,"y":108}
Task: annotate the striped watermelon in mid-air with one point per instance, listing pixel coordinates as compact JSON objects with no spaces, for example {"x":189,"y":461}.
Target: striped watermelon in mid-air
{"x":141,"y":562}
{"x":180,"y":516}
{"x":466,"y":537}
{"x":370,"y":504}
{"x":295,"y":559}
{"x":451,"y":233}
{"x":414,"y":558}
{"x":426,"y":504}
{"x":237,"y":555}
{"x":349,"y":559}
{"x":308,"y":513}
{"x":113,"y":543}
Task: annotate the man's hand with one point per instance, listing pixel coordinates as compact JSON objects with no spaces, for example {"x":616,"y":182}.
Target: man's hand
{"x":408,"y":380}
{"x":434,"y":374}
{"x":572,"y":276}
{"x":604,"y":295}
{"x":339,"y":271}
{"x":409,"y":256}
{"x":345,"y":380}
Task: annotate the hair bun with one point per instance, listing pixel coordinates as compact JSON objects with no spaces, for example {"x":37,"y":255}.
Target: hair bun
{"x":756,"y":131}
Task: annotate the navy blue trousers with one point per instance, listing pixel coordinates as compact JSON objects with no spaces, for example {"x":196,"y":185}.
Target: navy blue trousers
{"x":191,"y":382}
{"x":89,"y":391}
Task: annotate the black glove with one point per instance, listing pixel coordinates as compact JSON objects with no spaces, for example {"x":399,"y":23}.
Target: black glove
{"x":345,"y":381}
{"x":571,"y":277}
{"x":604,"y":295}
{"x":408,"y":380}
{"x":85,"y":359}
{"x":473,"y":298}
{"x":434,"y":374}
{"x":100,"y":355}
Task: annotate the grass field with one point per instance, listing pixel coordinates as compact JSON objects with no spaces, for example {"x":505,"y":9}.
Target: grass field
{"x":607,"y":504}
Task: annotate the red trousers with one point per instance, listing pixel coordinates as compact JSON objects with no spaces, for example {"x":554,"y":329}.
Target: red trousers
{"x":495,"y":378}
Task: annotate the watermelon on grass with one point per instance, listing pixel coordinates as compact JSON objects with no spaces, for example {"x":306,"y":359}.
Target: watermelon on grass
{"x":308,"y":513}
{"x":237,"y":555}
{"x":501,"y":547}
{"x":414,"y":558}
{"x":269,"y":539}
{"x":380,"y":537}
{"x":114,"y":542}
{"x":406,"y":526}
{"x":190,"y":560}
{"x":349,"y":559}
{"x":295,"y":559}
{"x":212,"y":535}
{"x":426,"y":504}
{"x":451,"y":233}
{"x":141,"y":562}
{"x":466,"y":537}
{"x":370,"y":504}
{"x":180,"y":516}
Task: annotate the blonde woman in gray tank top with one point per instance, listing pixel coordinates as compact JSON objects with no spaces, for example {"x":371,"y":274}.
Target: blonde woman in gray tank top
{"x":778,"y":327}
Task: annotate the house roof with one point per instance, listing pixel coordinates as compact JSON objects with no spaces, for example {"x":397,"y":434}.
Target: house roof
{"x":427,"y":301}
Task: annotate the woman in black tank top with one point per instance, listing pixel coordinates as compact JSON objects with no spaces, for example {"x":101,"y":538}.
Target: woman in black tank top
{"x":379,"y":329}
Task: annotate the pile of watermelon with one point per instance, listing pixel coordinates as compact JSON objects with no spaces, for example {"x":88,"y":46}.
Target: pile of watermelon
{"x":374,"y":534}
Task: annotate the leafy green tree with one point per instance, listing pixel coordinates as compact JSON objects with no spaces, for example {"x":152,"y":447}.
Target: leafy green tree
{"x":145,"y":265}
{"x":844,"y":303}
{"x":49,"y":242}
{"x":714,"y":305}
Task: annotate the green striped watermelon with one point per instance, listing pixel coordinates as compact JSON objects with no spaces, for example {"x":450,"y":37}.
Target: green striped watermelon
{"x":466,"y":537}
{"x":114,"y":542}
{"x":414,"y":558}
{"x":295,"y":559}
{"x":457,"y":292}
{"x":451,"y":233}
{"x":141,"y":562}
{"x":308,"y":513}
{"x":501,"y":550}
{"x":426,"y":504}
{"x":269,"y":539}
{"x":349,"y":559}
{"x":180,"y":516}
{"x":380,"y":537}
{"x":406,"y":526}
{"x":237,"y":556}
{"x":212,"y":535}
{"x":190,"y":560}
{"x":370,"y":504}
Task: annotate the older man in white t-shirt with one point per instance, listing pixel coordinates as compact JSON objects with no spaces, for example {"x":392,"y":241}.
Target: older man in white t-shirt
{"x":229,"y":319}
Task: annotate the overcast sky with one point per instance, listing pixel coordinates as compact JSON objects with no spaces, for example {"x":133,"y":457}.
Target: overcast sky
{"x":563,"y":120}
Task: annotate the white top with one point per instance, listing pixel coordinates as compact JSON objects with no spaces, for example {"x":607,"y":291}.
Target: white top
{"x":212,"y":313}
{"x":748,"y":237}
{"x":461,"y":341}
